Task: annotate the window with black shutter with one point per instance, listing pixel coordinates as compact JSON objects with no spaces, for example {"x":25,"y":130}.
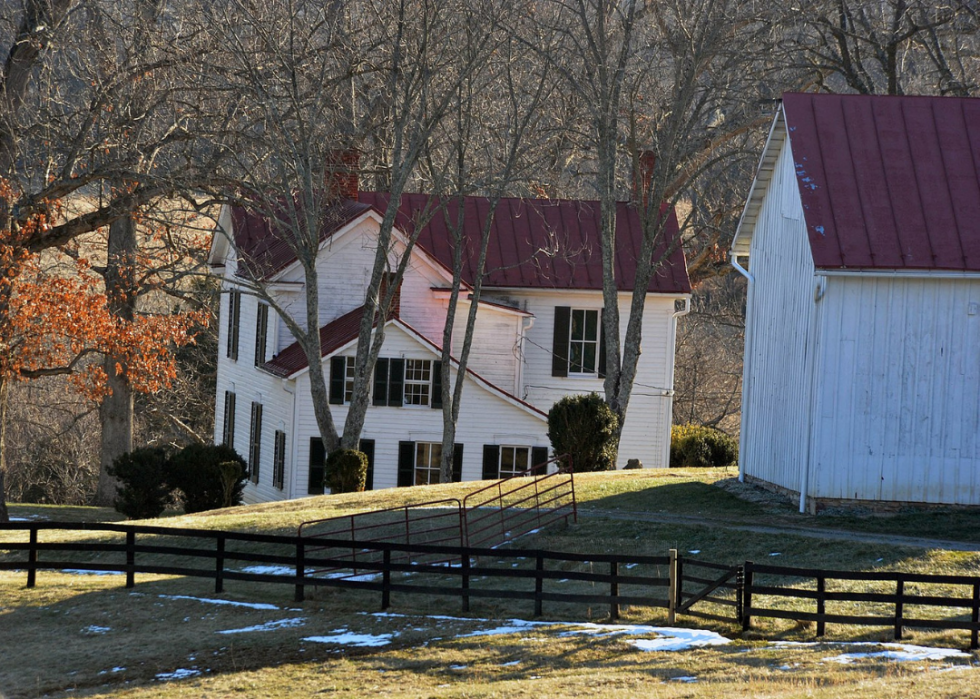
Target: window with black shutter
{"x":255,"y":442}
{"x":491,"y":462}
{"x":317,"y":456}
{"x":578,"y":345}
{"x":279,"y":461}
{"x":389,"y":382}
{"x":228,"y":428}
{"x":261,"y":332}
{"x":506,"y":461}
{"x":366,"y":447}
{"x":234,"y":315}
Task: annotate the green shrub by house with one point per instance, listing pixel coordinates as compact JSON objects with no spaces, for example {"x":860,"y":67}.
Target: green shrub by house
{"x":584,"y":428}
{"x":697,"y":445}
{"x":143,"y":491}
{"x":208,"y":476}
{"x":346,"y":471}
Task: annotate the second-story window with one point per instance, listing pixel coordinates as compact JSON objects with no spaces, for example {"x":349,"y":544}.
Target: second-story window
{"x":418,"y":381}
{"x":261,"y":332}
{"x":578,"y":348}
{"x":234,"y":315}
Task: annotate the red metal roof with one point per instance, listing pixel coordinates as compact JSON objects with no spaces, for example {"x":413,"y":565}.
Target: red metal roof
{"x":888,"y":182}
{"x":333,"y":336}
{"x":535,"y":243}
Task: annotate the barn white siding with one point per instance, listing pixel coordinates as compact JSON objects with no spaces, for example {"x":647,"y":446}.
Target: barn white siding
{"x":776,"y":379}
{"x":897,"y":414}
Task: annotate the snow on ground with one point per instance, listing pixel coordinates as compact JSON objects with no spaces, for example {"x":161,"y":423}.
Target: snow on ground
{"x":270,"y":626}
{"x":85,"y":571}
{"x":287,"y":570}
{"x":250,"y":605}
{"x":891,"y":651}
{"x":96,"y":630}
{"x":179,"y":674}
{"x":347,"y":638}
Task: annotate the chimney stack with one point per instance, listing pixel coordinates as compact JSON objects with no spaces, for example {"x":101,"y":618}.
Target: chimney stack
{"x":342,"y":173}
{"x":643,"y":177}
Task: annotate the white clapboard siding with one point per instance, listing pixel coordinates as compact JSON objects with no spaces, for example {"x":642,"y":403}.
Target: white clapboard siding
{"x":495,"y":349}
{"x":775,"y":396}
{"x":898,"y":406}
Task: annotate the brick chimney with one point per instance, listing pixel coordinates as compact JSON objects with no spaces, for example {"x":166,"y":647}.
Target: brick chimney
{"x":643,"y":177}
{"x":342,"y":173}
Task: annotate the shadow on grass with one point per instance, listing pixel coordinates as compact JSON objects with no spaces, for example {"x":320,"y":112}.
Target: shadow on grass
{"x":685,"y":498}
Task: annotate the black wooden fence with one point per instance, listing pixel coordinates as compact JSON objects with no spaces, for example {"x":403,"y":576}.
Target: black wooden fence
{"x":672,"y":582}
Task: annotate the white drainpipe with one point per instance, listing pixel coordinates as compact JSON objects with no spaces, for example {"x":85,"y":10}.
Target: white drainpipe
{"x":745,"y":365}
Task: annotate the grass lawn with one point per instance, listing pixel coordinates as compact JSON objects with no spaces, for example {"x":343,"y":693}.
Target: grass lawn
{"x":86,"y":635}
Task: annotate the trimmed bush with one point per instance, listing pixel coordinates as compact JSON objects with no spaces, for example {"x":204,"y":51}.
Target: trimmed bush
{"x":346,"y":471}
{"x":584,"y":427}
{"x":143,"y":491}
{"x":697,"y":445}
{"x":208,"y":476}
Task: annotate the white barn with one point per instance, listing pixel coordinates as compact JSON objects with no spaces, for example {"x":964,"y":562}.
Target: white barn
{"x":861,"y":243}
{"x":537,"y":339}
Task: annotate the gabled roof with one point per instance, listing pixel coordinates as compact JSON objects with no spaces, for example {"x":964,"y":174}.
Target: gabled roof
{"x":341,"y":332}
{"x":886,"y":182}
{"x":535,"y":243}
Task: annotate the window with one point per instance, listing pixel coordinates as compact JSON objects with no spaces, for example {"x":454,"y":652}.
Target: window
{"x":578,"y":347}
{"x":255,"y":443}
{"x":318,"y":457}
{"x":228,"y":429}
{"x":508,"y":461}
{"x":418,"y":381}
{"x":418,"y":462}
{"x":399,"y":382}
{"x":279,"y":461}
{"x":234,"y":314}
{"x":261,"y":332}
{"x":341,"y":380}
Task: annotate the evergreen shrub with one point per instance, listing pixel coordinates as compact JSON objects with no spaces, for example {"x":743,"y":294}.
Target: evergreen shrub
{"x":143,"y":491}
{"x":346,"y":471}
{"x":209,"y":476}
{"x":697,"y":445}
{"x":584,"y":427}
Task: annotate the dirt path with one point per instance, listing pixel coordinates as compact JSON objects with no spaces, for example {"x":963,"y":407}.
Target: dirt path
{"x":814,"y":533}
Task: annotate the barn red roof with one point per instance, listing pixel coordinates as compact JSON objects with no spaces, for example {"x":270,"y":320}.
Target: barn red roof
{"x":333,"y":336}
{"x":535,"y":243}
{"x":888,"y":182}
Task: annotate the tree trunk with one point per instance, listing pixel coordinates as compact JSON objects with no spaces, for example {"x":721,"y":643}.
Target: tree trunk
{"x":4,"y":515}
{"x":116,"y":411}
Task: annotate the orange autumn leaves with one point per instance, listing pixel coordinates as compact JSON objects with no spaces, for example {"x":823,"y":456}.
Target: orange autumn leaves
{"x":54,"y":319}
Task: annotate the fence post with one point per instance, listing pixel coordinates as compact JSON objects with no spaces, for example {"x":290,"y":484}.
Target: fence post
{"x":975,"y":617}
{"x":739,"y":586}
{"x":672,"y":587}
{"x":899,"y":607}
{"x":747,"y":597}
{"x":130,"y":559}
{"x":300,"y":569}
{"x":614,"y":590}
{"x":32,"y":559}
{"x":219,"y":564}
{"x":538,"y":585}
{"x":386,"y":580}
{"x":821,"y":605}
{"x":465,"y":560}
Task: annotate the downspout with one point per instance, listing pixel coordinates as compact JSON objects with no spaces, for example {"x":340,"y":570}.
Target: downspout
{"x":746,"y":359}
{"x":669,"y":378}
{"x":294,"y":443}
{"x":527,"y":322}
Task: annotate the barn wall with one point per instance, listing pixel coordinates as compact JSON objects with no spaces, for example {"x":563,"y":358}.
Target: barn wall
{"x":776,"y":369}
{"x":897,"y":414}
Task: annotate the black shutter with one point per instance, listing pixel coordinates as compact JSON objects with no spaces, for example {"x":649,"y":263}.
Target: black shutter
{"x":406,"y":464}
{"x":381,"y":382}
{"x":396,"y":382}
{"x":255,"y":442}
{"x":261,"y":333}
{"x":436,"y":385}
{"x":491,"y":462}
{"x":317,"y":456}
{"x":228,"y":432}
{"x":234,"y":315}
{"x":457,"y":463}
{"x":559,"y":347}
{"x":366,"y":447}
{"x":539,"y":455}
{"x":602,"y":346}
{"x":338,"y":377}
{"x":279,"y":460}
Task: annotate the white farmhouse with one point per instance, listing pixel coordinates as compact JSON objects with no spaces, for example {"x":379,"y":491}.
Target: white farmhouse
{"x":537,"y":339}
{"x":862,"y":343}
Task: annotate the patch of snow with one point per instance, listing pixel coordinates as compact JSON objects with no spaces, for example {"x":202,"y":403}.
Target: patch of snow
{"x":346,"y":638}
{"x":269,"y":626}
{"x":179,"y":674}
{"x":694,"y":552}
{"x":457,"y":667}
{"x":684,"y":678}
{"x":900,"y":652}
{"x":115,"y":669}
{"x":85,"y":571}
{"x":96,"y":630}
{"x":512,"y":663}
{"x":775,"y":554}
{"x":231,"y":603}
